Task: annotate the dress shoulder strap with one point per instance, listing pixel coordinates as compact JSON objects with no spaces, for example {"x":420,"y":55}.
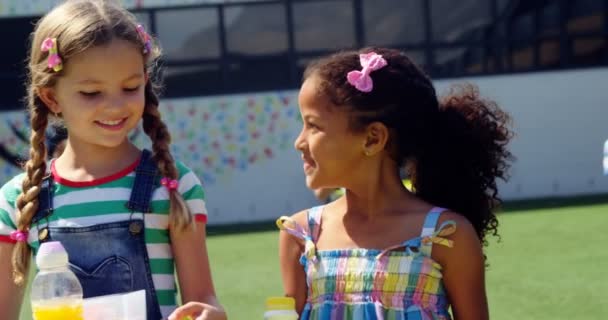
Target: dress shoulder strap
{"x":306,"y":233}
{"x":430,"y":234}
{"x":314,"y":222}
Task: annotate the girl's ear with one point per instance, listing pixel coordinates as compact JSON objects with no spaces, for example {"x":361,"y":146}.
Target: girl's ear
{"x":48,"y":96}
{"x":376,"y":138}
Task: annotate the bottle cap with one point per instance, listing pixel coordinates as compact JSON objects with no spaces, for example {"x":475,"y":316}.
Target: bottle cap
{"x":51,"y":255}
{"x":280,"y":303}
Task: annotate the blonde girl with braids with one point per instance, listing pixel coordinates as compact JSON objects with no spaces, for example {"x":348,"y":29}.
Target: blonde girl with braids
{"x":130,"y":219}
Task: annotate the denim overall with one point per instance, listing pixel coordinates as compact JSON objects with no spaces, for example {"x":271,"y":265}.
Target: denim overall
{"x":112,"y":257}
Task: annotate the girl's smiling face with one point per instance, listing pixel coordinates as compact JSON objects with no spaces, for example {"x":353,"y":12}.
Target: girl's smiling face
{"x":332,"y":153}
{"x":101,"y":94}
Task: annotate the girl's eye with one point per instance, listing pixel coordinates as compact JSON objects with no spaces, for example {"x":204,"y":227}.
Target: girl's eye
{"x":132,"y":89}
{"x":89,"y":94}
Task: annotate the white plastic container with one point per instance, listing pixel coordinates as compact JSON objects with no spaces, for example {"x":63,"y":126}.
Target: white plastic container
{"x":56,"y":292}
{"x":122,"y":306}
{"x":280,"y":308}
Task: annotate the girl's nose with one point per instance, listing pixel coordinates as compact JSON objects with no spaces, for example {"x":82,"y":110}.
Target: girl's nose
{"x":300,"y":142}
{"x":116,"y":102}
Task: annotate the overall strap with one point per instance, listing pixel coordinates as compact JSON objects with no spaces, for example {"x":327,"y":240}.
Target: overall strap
{"x":430,"y":234}
{"x":45,"y":200}
{"x":146,"y":175}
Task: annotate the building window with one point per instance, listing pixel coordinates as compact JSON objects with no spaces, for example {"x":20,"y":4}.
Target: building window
{"x":15,"y":35}
{"x":324,"y":25}
{"x":384,"y":24}
{"x":191,"y":51}
{"x":257,"y":47}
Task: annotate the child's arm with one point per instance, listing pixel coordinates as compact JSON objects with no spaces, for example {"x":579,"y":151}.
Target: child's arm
{"x":194,"y":274}
{"x":11,"y":295}
{"x":463,"y":270}
{"x":292,"y":272}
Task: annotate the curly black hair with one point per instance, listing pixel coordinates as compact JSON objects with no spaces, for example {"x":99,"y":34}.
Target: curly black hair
{"x":454,"y":148}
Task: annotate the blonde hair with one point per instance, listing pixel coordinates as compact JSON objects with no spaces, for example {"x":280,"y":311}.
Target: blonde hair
{"x":78,"y":25}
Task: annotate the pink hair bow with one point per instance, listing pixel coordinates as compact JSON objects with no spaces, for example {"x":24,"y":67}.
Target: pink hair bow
{"x":145,"y":37}
{"x":361,"y":79}
{"x":170,"y":184}
{"x":19,"y":236}
{"x":54,"y":61}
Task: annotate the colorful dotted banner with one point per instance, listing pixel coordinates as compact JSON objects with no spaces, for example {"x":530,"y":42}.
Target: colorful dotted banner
{"x":213,"y":136}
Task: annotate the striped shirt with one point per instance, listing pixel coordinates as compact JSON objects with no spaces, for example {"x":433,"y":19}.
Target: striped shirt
{"x":81,"y":204}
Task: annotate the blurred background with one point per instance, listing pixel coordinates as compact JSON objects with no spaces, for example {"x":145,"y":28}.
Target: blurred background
{"x":231,"y":71}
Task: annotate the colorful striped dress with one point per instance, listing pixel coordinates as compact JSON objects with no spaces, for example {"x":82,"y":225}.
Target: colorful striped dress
{"x":399,"y":283}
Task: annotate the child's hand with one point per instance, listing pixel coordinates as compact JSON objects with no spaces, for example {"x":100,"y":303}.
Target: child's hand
{"x":198,"y":311}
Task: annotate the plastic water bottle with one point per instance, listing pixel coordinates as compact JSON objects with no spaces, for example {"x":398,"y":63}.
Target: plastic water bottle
{"x":280,"y":308}
{"x":56,"y":291}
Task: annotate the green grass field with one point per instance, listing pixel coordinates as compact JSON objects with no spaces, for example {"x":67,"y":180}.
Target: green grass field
{"x":552,"y":263}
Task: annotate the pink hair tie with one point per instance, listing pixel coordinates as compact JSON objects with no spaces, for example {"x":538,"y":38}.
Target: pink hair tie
{"x":54,"y":61}
{"x":170,"y":184}
{"x":19,"y":236}
{"x":145,"y":37}
{"x":361,"y":79}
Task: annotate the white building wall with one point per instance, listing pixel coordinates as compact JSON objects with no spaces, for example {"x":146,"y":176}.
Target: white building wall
{"x":241,"y":145}
{"x":561,"y":123}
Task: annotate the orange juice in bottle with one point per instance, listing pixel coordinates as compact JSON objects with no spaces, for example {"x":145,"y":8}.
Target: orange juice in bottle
{"x":60,"y":309}
{"x":56,"y":291}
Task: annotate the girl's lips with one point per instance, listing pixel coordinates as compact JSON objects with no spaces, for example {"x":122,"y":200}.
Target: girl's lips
{"x":112,"y":125}
{"x":308,"y":165}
